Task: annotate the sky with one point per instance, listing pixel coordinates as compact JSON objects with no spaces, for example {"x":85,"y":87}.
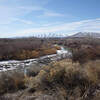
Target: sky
{"x":30,"y":17}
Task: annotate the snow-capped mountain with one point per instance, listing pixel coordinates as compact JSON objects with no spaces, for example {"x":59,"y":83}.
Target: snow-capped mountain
{"x":87,"y":34}
{"x":63,"y":35}
{"x":50,"y":35}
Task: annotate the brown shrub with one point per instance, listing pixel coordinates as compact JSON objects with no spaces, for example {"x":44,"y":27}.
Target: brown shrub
{"x":85,"y":53}
{"x":6,"y":83}
{"x":35,"y":54}
{"x":78,"y":81}
{"x":33,"y":70}
{"x":22,"y":48}
{"x":18,"y":78}
{"x":49,"y":51}
{"x":57,"y":47}
{"x":22,"y":55}
{"x":65,"y":80}
{"x":92,"y":70}
{"x":37,"y":81}
{"x":10,"y":82}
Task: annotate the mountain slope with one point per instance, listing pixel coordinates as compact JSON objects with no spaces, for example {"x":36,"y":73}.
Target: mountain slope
{"x":87,"y":34}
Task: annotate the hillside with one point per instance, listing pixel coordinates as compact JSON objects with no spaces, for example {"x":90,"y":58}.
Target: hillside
{"x":86,"y":34}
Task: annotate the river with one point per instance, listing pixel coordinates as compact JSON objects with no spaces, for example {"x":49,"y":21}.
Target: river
{"x":14,"y":64}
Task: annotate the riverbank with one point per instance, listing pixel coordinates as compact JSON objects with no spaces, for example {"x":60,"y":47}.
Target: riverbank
{"x":44,"y":60}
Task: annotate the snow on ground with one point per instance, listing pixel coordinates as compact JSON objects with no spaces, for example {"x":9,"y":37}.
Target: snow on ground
{"x":14,"y":64}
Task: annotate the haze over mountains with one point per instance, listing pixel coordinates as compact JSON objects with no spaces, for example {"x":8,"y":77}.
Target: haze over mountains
{"x":50,"y":35}
{"x":79,"y":34}
{"x":64,"y":35}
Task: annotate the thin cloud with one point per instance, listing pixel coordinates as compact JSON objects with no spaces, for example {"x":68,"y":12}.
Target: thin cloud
{"x":91,"y":25}
{"x":23,"y":21}
{"x":52,"y":14}
{"x":48,"y":13}
{"x":18,"y":8}
{"x":68,"y":28}
{"x":32,"y":8}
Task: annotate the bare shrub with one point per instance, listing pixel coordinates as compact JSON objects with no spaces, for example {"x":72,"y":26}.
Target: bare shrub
{"x":85,"y":53}
{"x":18,"y":78}
{"x":10,"y":82}
{"x":78,"y":81}
{"x":33,"y":70}
{"x":25,"y":48}
{"x":6,"y":83}
{"x":64,"y":80}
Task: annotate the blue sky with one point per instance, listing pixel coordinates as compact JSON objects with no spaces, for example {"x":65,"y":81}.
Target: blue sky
{"x":29,"y":17}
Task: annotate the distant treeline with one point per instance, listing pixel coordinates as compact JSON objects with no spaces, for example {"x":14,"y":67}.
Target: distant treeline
{"x":25,"y":48}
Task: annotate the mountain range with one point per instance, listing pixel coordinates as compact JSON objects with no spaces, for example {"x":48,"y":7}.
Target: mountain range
{"x":87,"y":34}
{"x":62,"y":35}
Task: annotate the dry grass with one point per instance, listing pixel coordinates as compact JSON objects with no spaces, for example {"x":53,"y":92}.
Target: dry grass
{"x":33,"y":70}
{"x":11,"y":81}
{"x":61,"y":80}
{"x":77,"y":82}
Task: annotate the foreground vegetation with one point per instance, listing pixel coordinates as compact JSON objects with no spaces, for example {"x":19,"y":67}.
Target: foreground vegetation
{"x":61,"y":80}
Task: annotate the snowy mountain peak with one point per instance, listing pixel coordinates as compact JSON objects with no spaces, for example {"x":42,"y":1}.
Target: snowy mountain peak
{"x":87,"y":34}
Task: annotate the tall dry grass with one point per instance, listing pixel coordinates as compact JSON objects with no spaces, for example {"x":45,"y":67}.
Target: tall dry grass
{"x":61,"y":80}
{"x":78,"y":82}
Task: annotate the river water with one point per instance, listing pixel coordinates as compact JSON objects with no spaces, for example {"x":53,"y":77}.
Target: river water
{"x":14,"y":64}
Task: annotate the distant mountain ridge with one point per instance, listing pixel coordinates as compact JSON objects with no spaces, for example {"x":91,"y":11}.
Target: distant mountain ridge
{"x":50,"y":35}
{"x":63,"y":35}
{"x":87,"y":34}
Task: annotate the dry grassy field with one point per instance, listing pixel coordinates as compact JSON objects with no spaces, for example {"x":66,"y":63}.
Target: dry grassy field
{"x":61,"y":80}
